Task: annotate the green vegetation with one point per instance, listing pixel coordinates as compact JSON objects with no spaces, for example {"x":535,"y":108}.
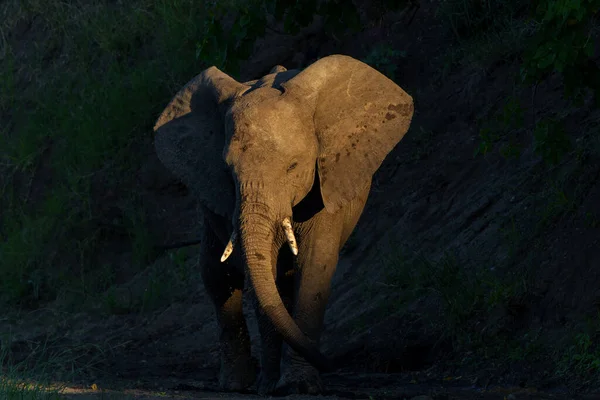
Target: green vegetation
{"x":471,"y":18}
{"x":485,"y":32}
{"x":13,"y":385}
{"x":466,"y":295}
{"x":564,"y":44}
{"x":551,"y":141}
{"x":385,"y":58}
{"x":162,"y":283}
{"x":479,"y":313}
{"x":80,"y":133}
{"x":14,"y":390}
{"x":546,"y":37}
{"x":504,"y":125}
{"x":582,"y":356}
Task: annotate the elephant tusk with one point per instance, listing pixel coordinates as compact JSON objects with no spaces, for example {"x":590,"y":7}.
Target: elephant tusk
{"x":289,"y":234}
{"x":229,"y":248}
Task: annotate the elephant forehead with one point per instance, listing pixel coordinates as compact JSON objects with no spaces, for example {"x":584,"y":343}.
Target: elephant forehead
{"x":274,"y":123}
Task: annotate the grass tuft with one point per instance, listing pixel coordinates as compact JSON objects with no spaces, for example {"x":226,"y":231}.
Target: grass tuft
{"x":20,"y":383}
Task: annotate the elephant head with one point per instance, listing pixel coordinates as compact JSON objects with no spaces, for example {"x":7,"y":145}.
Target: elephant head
{"x":252,"y":152}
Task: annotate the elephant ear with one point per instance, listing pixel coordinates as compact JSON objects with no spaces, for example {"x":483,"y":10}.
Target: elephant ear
{"x":359,"y":116}
{"x":189,"y":139}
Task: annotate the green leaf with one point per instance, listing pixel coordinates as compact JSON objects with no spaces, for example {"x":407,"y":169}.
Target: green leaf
{"x":588,"y":49}
{"x":547,"y":60}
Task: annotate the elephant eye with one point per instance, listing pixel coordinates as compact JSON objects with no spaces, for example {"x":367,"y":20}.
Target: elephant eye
{"x":292,"y":166}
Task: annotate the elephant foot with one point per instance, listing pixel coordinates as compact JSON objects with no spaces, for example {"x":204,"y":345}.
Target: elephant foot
{"x":237,"y":375}
{"x":266,"y":385}
{"x":303,"y":379}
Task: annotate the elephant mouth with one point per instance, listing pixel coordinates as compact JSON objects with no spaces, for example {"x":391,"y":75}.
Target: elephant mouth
{"x":306,"y":208}
{"x":286,"y":225}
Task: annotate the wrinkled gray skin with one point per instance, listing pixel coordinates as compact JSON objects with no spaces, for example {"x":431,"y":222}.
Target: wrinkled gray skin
{"x":302,"y":145}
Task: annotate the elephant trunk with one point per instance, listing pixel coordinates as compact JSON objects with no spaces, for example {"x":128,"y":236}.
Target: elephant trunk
{"x":257,"y":233}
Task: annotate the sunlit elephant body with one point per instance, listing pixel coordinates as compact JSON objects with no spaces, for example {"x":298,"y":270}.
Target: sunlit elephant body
{"x":282,"y":167}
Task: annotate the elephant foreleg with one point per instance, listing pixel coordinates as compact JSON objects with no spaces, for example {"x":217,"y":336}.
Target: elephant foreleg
{"x":317,"y":259}
{"x":224,"y":284}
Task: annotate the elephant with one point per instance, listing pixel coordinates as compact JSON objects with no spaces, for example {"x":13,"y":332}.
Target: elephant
{"x":281,"y":167}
